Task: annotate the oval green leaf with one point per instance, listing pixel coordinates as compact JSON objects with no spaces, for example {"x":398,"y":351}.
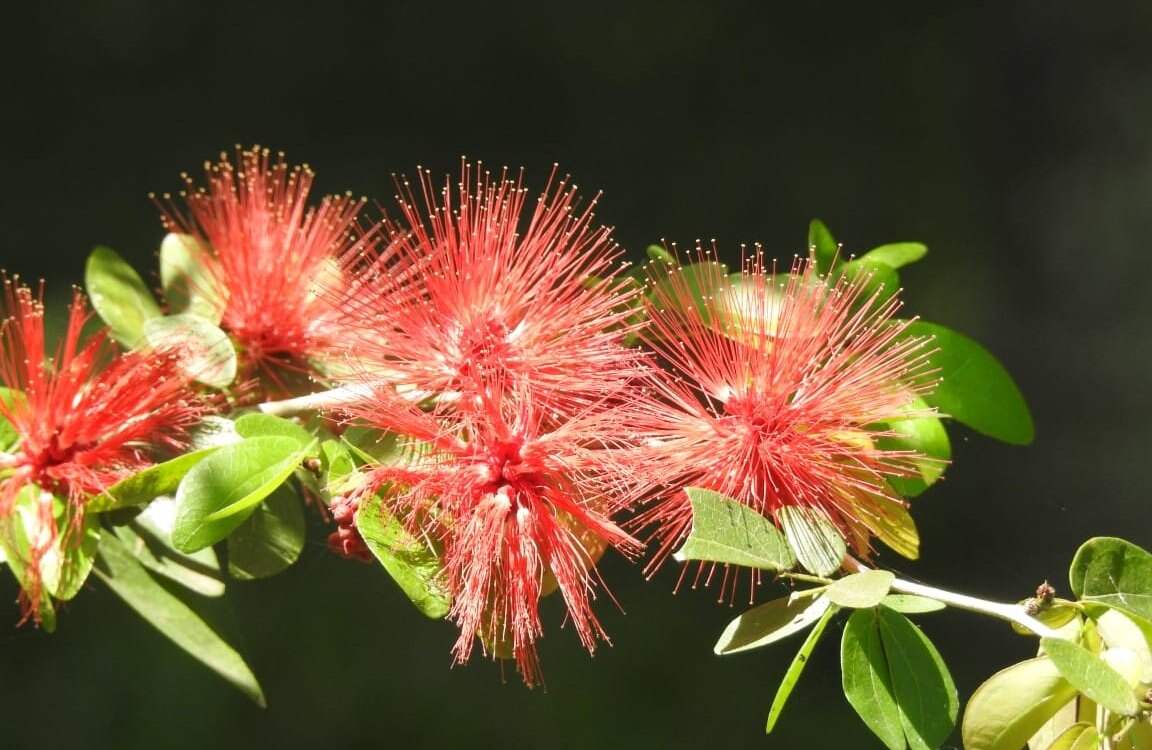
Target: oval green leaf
{"x":161,"y":479}
{"x":896,"y":254}
{"x":925,"y":693}
{"x":770,"y":622}
{"x":186,"y":279}
{"x":270,"y":540}
{"x":221,"y":491}
{"x":1114,"y":572}
{"x":727,"y":531}
{"x":257,"y":424}
{"x":861,"y":590}
{"x":172,"y":617}
{"x":119,"y":295}
{"x":867,"y":681}
{"x":814,"y":538}
{"x":660,"y":255}
{"x":1091,"y":675}
{"x":414,"y":564}
{"x":207,"y":352}
{"x":974,"y":387}
{"x":1014,"y":704}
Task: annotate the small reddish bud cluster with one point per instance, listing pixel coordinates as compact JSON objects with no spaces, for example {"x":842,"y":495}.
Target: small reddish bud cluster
{"x":346,"y":539}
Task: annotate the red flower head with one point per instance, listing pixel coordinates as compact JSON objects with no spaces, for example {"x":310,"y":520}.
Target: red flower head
{"x":520,"y":505}
{"x":465,"y":295}
{"x":782,"y":387}
{"x":81,"y":420}
{"x":269,"y":250}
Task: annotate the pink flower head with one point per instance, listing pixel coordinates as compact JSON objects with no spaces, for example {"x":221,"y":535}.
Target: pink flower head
{"x":521,"y":505}
{"x":269,"y":251}
{"x":467,"y":293}
{"x":782,"y":385}
{"x":84,"y":418}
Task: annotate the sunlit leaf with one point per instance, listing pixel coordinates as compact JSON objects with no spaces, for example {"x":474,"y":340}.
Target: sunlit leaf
{"x":659,"y":254}
{"x":896,"y":254}
{"x":256,"y":424}
{"x":172,"y":617}
{"x":897,"y":682}
{"x":413,"y":563}
{"x":120,"y":296}
{"x":8,"y":434}
{"x":727,"y":531}
{"x":1114,"y":572}
{"x":861,"y":590}
{"x":161,"y":479}
{"x":270,"y":539}
{"x":1089,"y":674}
{"x":1013,"y":704}
{"x":771,"y":622}
{"x":974,"y":387}
{"x":207,"y":353}
{"x":796,"y":668}
{"x":817,"y":542}
{"x":186,"y":279}
{"x":221,"y":491}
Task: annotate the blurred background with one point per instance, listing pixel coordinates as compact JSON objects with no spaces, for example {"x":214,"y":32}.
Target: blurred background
{"x":1013,"y":138}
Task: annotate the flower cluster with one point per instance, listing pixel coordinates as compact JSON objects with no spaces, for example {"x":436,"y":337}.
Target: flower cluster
{"x":512,"y":337}
{"x":80,"y":420}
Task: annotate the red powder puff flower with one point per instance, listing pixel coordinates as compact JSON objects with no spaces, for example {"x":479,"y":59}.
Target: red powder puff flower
{"x":520,"y":505}
{"x":465,"y":294}
{"x":782,"y":386}
{"x":82,"y":419}
{"x":269,"y":252}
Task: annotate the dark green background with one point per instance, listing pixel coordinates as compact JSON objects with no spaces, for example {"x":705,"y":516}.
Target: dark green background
{"x":1014,"y":138}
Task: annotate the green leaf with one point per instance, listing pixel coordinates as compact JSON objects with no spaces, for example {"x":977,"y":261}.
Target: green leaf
{"x":161,"y":479}
{"x":660,"y":255}
{"x":911,"y":604}
{"x":925,"y":436}
{"x":207,"y":352}
{"x":270,"y":539}
{"x":796,"y":668}
{"x":897,"y":682}
{"x":770,"y":622}
{"x":1079,"y":736}
{"x":119,"y":295}
{"x":1091,"y":675}
{"x":896,"y":254}
{"x":149,"y":538}
{"x":221,"y":491}
{"x":172,"y":617}
{"x":373,"y":446}
{"x":814,"y":538}
{"x":727,"y":531}
{"x":186,"y":279}
{"x":1013,"y":704}
{"x":823,"y":246}
{"x":861,"y":590}
{"x":65,"y":573}
{"x":1114,"y":572}
{"x":867,"y":681}
{"x":974,"y":387}
{"x":925,"y":694}
{"x":337,"y":469}
{"x":256,"y":424}
{"x":413,"y":563}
